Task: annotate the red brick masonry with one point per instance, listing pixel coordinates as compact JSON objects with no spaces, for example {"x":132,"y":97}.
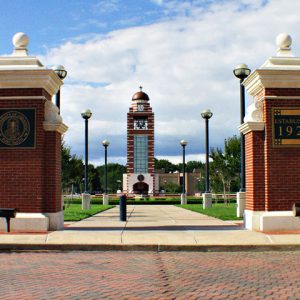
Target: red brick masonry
{"x":30,"y":177}
{"x":272,"y":173}
{"x":150,"y":275}
{"x":130,"y":136}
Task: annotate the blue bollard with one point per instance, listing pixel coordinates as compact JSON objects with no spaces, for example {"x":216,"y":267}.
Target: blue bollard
{"x":123,"y":208}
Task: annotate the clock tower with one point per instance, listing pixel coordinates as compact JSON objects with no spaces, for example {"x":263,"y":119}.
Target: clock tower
{"x":140,"y":178}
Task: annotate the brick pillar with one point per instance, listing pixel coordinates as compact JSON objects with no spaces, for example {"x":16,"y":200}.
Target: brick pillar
{"x":272,"y":139}
{"x":282,"y":163}
{"x":255,"y":184}
{"x":52,"y":172}
{"x":30,"y":142}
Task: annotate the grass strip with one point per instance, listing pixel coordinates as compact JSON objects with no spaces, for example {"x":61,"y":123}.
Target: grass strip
{"x":218,"y":210}
{"x":74,"y":212}
{"x":151,"y":201}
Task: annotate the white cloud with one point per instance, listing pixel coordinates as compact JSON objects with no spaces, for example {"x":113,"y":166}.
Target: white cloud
{"x":105,"y":6}
{"x":184,"y":64}
{"x":115,"y":159}
{"x":177,"y":159}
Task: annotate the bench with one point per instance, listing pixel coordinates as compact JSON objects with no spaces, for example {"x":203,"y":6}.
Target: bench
{"x":7,"y":213}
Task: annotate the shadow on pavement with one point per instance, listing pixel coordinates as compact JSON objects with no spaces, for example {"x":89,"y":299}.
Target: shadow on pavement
{"x":159,"y":228}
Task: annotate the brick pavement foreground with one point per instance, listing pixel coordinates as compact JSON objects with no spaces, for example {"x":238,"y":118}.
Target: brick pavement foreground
{"x":150,"y":275}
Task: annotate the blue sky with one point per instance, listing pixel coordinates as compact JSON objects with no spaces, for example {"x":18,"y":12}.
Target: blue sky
{"x":181,"y":52}
{"x":51,"y":22}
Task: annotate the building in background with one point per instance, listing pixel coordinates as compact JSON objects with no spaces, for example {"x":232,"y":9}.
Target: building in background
{"x":175,"y":179}
{"x":140,"y":178}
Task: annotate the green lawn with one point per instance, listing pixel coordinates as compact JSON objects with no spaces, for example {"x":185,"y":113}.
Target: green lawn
{"x":155,"y":201}
{"x":218,"y":210}
{"x":73,"y":212}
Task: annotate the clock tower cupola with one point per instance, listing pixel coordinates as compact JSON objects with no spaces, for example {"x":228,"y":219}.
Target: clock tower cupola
{"x":140,"y":177}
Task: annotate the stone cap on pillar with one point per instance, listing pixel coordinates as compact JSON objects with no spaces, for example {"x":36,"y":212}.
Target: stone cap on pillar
{"x":20,"y":70}
{"x":280,"y":71}
{"x":284,"y":59}
{"x":251,"y":126}
{"x":53,"y":121}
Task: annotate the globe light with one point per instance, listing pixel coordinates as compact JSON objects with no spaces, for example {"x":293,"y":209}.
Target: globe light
{"x":86,"y":114}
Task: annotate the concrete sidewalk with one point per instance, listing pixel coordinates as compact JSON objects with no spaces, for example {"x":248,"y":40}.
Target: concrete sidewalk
{"x":151,"y":227}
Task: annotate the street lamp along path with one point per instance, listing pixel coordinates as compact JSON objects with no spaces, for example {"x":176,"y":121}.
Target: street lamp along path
{"x":61,"y":72}
{"x":86,"y":197}
{"x":242,"y":72}
{"x":183,"y":143}
{"x":105,"y":144}
{"x":86,"y":114}
{"x":207,"y":196}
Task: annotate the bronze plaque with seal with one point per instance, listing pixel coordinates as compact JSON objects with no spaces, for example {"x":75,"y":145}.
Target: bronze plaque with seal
{"x":286,"y":127}
{"x":17,"y":128}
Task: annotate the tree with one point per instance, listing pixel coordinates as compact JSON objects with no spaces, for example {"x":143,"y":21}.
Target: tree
{"x":65,"y":162}
{"x":76,"y":173}
{"x":73,"y":174}
{"x":72,"y":169}
{"x":94,"y":179}
{"x":225,"y":166}
{"x":114,"y":176}
{"x":164,"y":164}
{"x":193,"y":164}
{"x":172,"y":188}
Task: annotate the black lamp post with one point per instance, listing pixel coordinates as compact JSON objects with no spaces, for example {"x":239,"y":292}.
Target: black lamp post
{"x":119,"y":185}
{"x":86,"y":114}
{"x":242,"y":71}
{"x":183,"y":143}
{"x":105,"y":143}
{"x":61,"y":73}
{"x":206,"y":114}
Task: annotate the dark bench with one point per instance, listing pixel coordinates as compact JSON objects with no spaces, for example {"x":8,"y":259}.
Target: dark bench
{"x":296,"y":209}
{"x":7,"y":213}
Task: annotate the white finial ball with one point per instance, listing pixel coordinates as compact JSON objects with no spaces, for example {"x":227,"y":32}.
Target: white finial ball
{"x":20,"y":40}
{"x":283,"y":41}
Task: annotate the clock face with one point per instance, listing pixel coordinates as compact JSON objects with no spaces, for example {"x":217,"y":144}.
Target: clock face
{"x":140,"y":107}
{"x":140,"y":124}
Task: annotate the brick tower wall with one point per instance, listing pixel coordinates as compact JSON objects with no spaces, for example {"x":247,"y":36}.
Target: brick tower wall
{"x":131,"y":132}
{"x":151,"y":143}
{"x":130,"y":139}
{"x":130,"y":145}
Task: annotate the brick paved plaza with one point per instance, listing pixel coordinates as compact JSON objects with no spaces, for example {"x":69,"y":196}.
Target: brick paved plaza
{"x":150,"y":275}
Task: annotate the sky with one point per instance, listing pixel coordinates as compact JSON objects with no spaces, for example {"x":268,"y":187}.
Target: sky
{"x":181,"y":52}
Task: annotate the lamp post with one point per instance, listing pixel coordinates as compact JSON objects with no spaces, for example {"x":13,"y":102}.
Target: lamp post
{"x":61,"y":73}
{"x":242,"y":71}
{"x":105,"y":143}
{"x":119,"y":186}
{"x":183,"y":143}
{"x":207,"y":114}
{"x":86,"y":197}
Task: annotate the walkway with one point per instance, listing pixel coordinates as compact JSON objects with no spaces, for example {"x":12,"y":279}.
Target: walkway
{"x":151,"y":227}
{"x":131,"y":275}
